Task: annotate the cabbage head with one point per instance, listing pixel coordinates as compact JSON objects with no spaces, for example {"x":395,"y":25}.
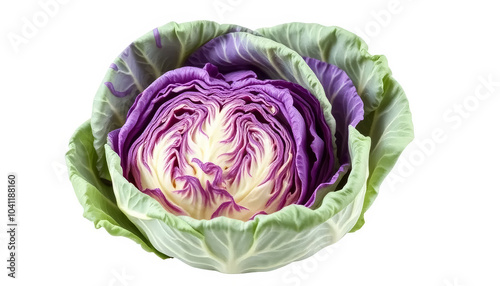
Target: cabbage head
{"x":238,"y":150}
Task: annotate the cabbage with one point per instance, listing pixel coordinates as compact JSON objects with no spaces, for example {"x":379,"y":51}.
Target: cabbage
{"x":239,"y":150}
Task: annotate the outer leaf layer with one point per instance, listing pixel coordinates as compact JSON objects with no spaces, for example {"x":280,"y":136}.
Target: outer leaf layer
{"x":94,"y":194}
{"x":265,"y":243}
{"x":387,"y":115}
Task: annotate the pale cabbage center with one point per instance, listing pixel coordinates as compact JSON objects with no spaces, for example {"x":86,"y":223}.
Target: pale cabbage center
{"x":251,"y":190}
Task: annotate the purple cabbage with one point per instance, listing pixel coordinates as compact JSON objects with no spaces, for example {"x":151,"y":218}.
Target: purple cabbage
{"x":238,"y":144}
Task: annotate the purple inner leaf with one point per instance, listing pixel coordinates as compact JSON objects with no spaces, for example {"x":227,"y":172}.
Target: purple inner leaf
{"x":347,"y":106}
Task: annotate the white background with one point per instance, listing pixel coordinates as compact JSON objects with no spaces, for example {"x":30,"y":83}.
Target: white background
{"x":436,"y":221}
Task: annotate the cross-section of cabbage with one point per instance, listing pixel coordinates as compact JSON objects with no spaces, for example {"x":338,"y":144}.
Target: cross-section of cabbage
{"x":205,"y":144}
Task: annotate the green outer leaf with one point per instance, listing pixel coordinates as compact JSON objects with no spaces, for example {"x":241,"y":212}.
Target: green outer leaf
{"x":387,"y":114}
{"x":144,"y":63}
{"x":94,"y":194}
{"x":265,"y":243}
